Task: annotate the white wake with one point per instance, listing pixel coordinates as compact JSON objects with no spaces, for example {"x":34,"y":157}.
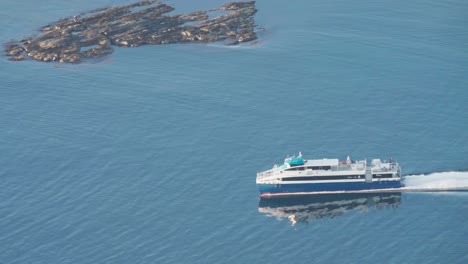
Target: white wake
{"x":437,"y":181}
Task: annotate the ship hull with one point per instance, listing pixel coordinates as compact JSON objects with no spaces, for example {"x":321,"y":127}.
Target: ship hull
{"x":266,"y":189}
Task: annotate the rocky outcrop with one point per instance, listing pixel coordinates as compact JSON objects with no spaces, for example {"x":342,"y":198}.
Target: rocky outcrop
{"x":92,"y":34}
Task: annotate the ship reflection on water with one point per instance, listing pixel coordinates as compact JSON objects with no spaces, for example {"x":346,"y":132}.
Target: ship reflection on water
{"x":311,"y":207}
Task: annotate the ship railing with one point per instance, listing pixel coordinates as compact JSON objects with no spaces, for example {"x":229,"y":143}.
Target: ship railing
{"x":343,"y":168}
{"x":261,"y":175}
{"x":394,"y":168}
{"x":385,"y":169}
{"x":346,"y":167}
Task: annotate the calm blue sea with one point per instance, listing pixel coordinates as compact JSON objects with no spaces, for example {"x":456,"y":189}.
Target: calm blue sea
{"x":150,"y":155}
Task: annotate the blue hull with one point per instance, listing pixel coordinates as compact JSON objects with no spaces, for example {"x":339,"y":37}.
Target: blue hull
{"x":326,"y":187}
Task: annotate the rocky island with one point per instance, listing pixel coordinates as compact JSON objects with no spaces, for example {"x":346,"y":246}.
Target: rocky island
{"x":92,"y":34}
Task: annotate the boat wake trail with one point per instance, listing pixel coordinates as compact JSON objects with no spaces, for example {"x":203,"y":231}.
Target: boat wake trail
{"x":452,"y":180}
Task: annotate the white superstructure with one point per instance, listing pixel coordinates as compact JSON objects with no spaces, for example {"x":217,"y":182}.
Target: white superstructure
{"x":297,"y":173}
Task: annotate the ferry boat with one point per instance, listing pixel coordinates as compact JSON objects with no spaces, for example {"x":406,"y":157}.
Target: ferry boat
{"x":298,"y":175}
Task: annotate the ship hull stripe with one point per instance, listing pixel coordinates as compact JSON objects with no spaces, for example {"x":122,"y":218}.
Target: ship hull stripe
{"x":332,"y":186}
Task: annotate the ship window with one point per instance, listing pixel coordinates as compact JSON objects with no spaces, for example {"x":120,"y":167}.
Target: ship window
{"x":319,"y":167}
{"x":323,"y":178}
{"x":295,"y":169}
{"x":382,"y":176}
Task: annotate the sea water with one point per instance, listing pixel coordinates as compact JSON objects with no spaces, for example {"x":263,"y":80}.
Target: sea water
{"x":150,"y":154}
